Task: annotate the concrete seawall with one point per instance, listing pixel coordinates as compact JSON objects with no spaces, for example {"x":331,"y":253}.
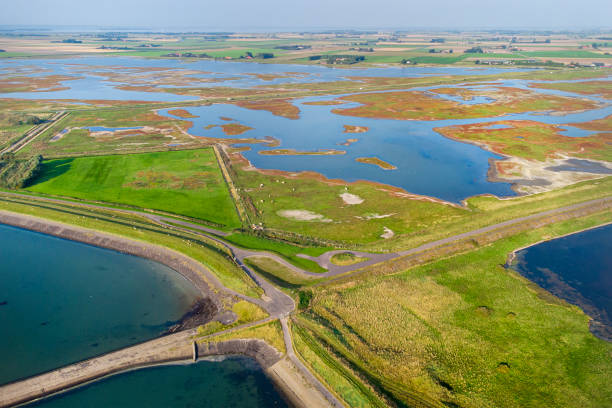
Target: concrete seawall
{"x":173,"y":348}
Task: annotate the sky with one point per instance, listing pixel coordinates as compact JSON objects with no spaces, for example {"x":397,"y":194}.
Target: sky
{"x":279,"y":15}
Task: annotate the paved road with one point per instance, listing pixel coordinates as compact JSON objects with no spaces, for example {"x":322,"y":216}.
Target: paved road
{"x":296,"y":361}
{"x":32,"y":133}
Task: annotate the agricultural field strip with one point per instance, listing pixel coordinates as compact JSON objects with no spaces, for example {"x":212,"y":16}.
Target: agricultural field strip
{"x":240,"y":254}
{"x":32,"y":133}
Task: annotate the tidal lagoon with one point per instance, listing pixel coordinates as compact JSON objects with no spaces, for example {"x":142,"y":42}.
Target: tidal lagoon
{"x":578,"y":269}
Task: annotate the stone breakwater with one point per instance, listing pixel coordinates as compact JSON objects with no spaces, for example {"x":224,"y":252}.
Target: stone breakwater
{"x":173,"y":348}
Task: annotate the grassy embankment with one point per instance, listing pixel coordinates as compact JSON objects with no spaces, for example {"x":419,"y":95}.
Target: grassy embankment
{"x":246,"y":312}
{"x":279,"y":274}
{"x":270,"y":332}
{"x":14,"y":125}
{"x":463,"y":331}
{"x":186,"y":182}
{"x":284,"y":249}
{"x":346,"y":258}
{"x":214,"y":256}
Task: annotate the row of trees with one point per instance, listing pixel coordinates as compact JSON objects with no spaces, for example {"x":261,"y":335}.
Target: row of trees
{"x":17,"y":173}
{"x":13,"y":119}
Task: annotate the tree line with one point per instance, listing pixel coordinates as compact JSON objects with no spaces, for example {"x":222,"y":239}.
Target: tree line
{"x":17,"y":173}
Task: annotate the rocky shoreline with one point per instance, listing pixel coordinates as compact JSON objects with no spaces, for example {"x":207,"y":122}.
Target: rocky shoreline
{"x":201,"y":312}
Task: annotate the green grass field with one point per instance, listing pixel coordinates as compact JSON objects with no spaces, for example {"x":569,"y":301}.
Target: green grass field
{"x":465,"y":331}
{"x":183,"y":182}
{"x":414,"y":222}
{"x":279,"y":274}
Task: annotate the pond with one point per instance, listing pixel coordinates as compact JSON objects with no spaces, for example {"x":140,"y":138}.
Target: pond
{"x":578,"y":269}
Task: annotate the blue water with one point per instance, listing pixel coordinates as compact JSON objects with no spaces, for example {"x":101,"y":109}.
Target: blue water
{"x":236,"y":382}
{"x":427,"y":163}
{"x":574,"y":131}
{"x":94,"y":87}
{"x":578,"y":269}
{"x":63,"y":301}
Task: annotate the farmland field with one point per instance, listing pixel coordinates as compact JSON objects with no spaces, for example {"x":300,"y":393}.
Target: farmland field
{"x":186,"y":183}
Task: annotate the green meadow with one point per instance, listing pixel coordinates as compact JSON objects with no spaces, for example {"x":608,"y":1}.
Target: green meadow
{"x":181,"y":182}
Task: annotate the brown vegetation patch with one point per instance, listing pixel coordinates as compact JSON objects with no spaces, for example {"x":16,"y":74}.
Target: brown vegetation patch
{"x":348,"y":142}
{"x":602,"y":88}
{"x":325,"y":103}
{"x":47,"y":83}
{"x":279,"y":107}
{"x":601,"y":125}
{"x":219,"y":92}
{"x":152,"y":77}
{"x":377,"y":162}
{"x":355,"y":129}
{"x":182,"y":113}
{"x":465,"y":94}
{"x":414,"y":105}
{"x":530,"y":140}
{"x":234,"y":129}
